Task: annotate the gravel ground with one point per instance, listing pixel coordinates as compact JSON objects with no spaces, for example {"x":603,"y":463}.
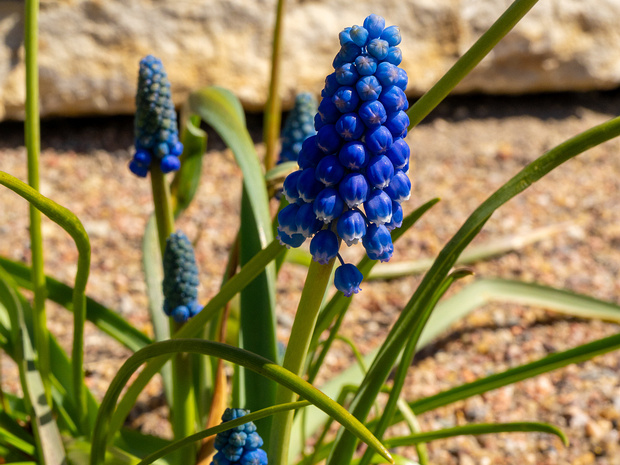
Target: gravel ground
{"x":467,"y":148}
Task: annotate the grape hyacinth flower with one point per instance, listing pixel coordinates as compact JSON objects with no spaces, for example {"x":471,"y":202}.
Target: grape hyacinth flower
{"x":238,"y":445}
{"x":352,"y":174}
{"x":180,"y":278}
{"x":155,"y":124}
{"x":298,"y":126}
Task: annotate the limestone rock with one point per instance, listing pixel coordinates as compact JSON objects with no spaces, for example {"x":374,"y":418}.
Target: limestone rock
{"x":89,"y":49}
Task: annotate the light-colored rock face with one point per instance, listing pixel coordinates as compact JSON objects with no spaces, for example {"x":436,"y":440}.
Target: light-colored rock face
{"x":89,"y":49}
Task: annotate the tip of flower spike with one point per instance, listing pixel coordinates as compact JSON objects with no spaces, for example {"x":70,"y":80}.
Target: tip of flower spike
{"x":239,"y":445}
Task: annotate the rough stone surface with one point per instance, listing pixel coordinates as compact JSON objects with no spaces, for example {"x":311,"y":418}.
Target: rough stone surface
{"x":89,"y":49}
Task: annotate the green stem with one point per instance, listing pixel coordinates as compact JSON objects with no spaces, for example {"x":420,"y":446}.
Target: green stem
{"x":295,"y":356}
{"x":162,"y":203}
{"x":33,"y":145}
{"x":274,"y":105}
{"x":183,"y":412}
{"x":420,"y":109}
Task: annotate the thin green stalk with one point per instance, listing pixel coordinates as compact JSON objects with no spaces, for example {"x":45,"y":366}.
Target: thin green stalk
{"x":33,"y":146}
{"x":183,"y":411}
{"x":295,"y":356}
{"x":273,"y":108}
{"x":420,"y":109}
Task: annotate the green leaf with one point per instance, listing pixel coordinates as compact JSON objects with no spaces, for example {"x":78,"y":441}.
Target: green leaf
{"x":221,"y":109}
{"x":482,"y":428}
{"x":279,"y":172}
{"x":186,"y":181}
{"x":72,"y":225}
{"x":153,"y":276}
{"x":514,"y":375}
{"x":471,"y":255}
{"x":237,"y":356}
{"x":105,"y":319}
{"x":48,"y":438}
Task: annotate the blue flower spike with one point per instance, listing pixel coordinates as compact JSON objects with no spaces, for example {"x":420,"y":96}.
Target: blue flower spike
{"x":298,"y":126}
{"x":155,"y":124}
{"x":353,"y":173}
{"x":180,"y":278}
{"x":240,"y":445}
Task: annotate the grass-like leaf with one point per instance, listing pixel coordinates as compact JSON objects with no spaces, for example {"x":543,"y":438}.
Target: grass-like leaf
{"x":70,"y":223}
{"x":107,"y":320}
{"x":49,"y":443}
{"x":232,"y":354}
{"x":476,"y":429}
{"x":186,"y":181}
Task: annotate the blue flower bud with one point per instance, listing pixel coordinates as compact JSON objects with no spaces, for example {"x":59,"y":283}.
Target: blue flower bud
{"x":255,"y":457}
{"x":353,"y":155}
{"x":328,"y":205}
{"x":289,"y":188}
{"x":329,"y":170}
{"x":346,"y":99}
{"x":328,"y":111}
{"x":287,"y":219}
{"x":351,"y":226}
{"x":379,"y":171}
{"x":394,"y":56}
{"x":328,"y":139}
{"x":308,"y":186}
{"x":331,"y":86}
{"x":324,"y":246}
{"x":378,"y":48}
{"x":359,"y":35}
{"x":378,"y":140}
{"x":307,"y":223}
{"x":378,"y":207}
{"x":353,"y":189}
{"x":318,"y":122}
{"x":372,"y":113}
{"x":180,"y":277}
{"x":350,"y":126}
{"x":403,"y":79}
{"x":398,"y":153}
{"x":387,"y":74}
{"x":138,"y":169}
{"x":220,"y":459}
{"x":310,"y":154}
{"x":143,"y":157}
{"x":375,"y":25}
{"x":397,"y":123}
{"x":368,"y":88}
{"x":237,"y":438}
{"x":347,"y":74}
{"x":397,"y":217}
{"x":347,"y":279}
{"x":391,"y":35}
{"x":345,"y":36}
{"x":365,"y":65}
{"x":393,"y":99}
{"x":253,"y":441}
{"x":170,"y":163}
{"x":348,"y":52}
{"x":378,"y":243}
{"x":292,"y":240}
{"x":400,"y":187}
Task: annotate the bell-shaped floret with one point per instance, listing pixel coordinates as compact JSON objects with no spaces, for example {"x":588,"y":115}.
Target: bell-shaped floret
{"x":379,"y":171}
{"x":328,"y":205}
{"x":353,"y":189}
{"x":329,"y":170}
{"x":378,"y":207}
{"x":324,"y":246}
{"x":353,"y":155}
{"x":397,"y":217}
{"x":378,"y":243}
{"x":351,"y":226}
{"x":307,"y":223}
{"x":347,"y":279}
{"x":400,"y":187}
